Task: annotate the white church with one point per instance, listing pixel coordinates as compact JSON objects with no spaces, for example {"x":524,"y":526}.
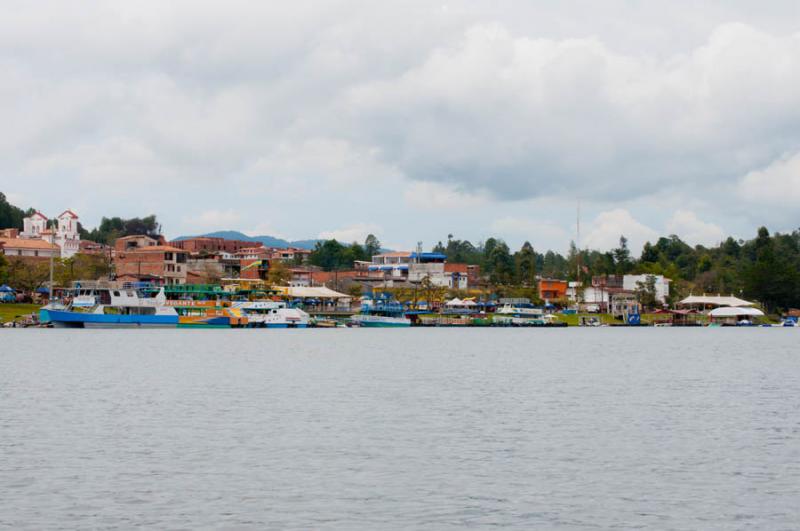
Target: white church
{"x":65,"y":236}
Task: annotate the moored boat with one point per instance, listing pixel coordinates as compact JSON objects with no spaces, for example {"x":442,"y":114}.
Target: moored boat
{"x":109,"y":305}
{"x":270,"y":314}
{"x":381,"y":312}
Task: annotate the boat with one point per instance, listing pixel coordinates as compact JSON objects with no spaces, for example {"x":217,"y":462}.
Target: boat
{"x":106,"y":305}
{"x":206,"y":314}
{"x":270,"y":314}
{"x":524,"y":315}
{"x":382,"y":311}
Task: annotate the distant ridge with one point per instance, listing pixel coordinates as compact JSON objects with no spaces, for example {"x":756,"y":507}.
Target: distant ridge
{"x":268,"y":241}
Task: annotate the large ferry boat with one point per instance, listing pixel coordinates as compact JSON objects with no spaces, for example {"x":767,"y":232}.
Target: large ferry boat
{"x":110,"y":305}
{"x":381,"y":312}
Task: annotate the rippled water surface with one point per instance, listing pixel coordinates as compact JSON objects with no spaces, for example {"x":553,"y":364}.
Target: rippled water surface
{"x":400,"y":429}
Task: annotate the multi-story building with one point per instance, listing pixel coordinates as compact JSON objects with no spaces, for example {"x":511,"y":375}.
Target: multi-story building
{"x":207,"y":244}
{"x":144,"y":258}
{"x":551,"y":289}
{"x":65,"y":235}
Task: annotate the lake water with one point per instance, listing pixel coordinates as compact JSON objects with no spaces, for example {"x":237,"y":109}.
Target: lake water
{"x":400,"y":429}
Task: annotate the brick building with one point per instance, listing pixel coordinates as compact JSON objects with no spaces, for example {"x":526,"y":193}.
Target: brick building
{"x":163,"y":264}
{"x":213,"y":245}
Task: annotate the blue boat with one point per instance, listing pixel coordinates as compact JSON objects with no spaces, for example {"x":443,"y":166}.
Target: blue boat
{"x":108,"y":305}
{"x":382,"y":311}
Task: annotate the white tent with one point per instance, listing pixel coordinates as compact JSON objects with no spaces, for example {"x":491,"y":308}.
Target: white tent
{"x":728,"y":311}
{"x":455,"y":302}
{"x":714,"y":300}
{"x":301,"y":292}
{"x":469,"y":303}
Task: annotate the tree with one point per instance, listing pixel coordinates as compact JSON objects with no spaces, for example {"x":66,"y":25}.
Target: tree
{"x":27,"y":276}
{"x":501,"y":264}
{"x":278,"y":274}
{"x":646,"y":291}
{"x":371,"y":246}
{"x":525,"y":261}
{"x":622,"y":257}
{"x":10,"y":216}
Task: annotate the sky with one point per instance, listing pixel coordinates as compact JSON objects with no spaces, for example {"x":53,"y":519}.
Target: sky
{"x":411,"y":120}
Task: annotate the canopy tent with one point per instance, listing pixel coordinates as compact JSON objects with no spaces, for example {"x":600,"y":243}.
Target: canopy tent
{"x":302,"y":292}
{"x":735,"y":312}
{"x":455,"y":302}
{"x":6,"y":289}
{"x":468,"y":303}
{"x":714,"y":300}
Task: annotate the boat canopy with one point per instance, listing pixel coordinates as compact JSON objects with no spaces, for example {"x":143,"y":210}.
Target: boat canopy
{"x":728,"y":311}
{"x":715,"y":300}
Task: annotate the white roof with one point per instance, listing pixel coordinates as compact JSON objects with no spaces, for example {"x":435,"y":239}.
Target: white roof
{"x":455,"y":302}
{"x":715,"y":300}
{"x":728,"y":311}
{"x":315,"y":293}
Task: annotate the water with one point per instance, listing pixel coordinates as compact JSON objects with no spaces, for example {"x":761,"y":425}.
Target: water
{"x":400,"y":429}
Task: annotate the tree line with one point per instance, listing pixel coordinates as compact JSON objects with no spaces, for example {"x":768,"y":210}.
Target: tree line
{"x":765,"y":269}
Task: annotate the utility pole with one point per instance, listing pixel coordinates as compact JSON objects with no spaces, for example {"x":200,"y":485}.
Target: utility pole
{"x":578,"y":242}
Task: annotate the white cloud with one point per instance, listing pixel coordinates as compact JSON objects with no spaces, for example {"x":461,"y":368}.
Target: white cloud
{"x":393,"y":105}
{"x":605,"y":230}
{"x":353,"y":233}
{"x":778,"y":184}
{"x":436,"y":196}
{"x":692,"y":230}
{"x":537,"y":232}
{"x":213,"y":220}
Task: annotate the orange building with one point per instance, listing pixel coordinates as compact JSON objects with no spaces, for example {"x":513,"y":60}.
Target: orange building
{"x":552,"y":289}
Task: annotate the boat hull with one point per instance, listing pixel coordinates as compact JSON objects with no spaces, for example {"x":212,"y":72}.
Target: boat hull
{"x":370,"y":321}
{"x":67,"y":319}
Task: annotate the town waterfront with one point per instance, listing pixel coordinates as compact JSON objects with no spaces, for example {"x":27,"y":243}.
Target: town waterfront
{"x":432,"y":428}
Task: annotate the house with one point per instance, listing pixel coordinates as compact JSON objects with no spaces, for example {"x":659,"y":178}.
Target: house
{"x":551,"y":289}
{"x":28,"y":248}
{"x":290,"y":254}
{"x":132,"y":243}
{"x":661,"y":285}
{"x":164,"y":262}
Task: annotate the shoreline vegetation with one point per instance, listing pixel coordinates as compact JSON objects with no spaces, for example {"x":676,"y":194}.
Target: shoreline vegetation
{"x":765,"y":269}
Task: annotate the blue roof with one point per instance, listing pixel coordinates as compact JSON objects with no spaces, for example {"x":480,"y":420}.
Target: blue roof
{"x":429,"y":256}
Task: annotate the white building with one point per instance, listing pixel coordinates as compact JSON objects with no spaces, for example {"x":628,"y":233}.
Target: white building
{"x":632,"y":283}
{"x":33,"y":226}
{"x":65,"y":236}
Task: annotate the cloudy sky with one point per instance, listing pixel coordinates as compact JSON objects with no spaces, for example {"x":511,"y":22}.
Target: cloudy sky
{"x":410,"y":120}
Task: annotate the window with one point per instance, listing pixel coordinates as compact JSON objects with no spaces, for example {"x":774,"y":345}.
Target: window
{"x":167,"y":256}
{"x":35,"y":253}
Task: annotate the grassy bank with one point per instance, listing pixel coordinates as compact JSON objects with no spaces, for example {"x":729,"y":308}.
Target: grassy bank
{"x":10,"y":312}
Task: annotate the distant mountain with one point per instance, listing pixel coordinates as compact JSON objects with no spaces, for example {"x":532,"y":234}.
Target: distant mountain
{"x":268,"y":241}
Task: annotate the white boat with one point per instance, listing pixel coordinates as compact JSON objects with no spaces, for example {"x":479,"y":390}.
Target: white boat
{"x":110,"y":306}
{"x":271,"y":314}
{"x":520,"y":311}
